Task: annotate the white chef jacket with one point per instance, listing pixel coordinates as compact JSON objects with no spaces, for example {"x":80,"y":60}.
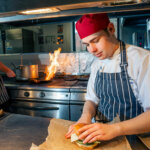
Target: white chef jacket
{"x":138,"y":60}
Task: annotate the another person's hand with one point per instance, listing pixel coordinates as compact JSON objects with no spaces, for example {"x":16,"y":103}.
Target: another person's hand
{"x":98,"y":132}
{"x":10,"y":73}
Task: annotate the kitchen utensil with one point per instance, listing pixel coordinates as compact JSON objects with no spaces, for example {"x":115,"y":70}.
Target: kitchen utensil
{"x":26,"y":72}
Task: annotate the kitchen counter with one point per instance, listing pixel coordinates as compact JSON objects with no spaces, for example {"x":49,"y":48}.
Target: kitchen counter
{"x":18,"y":132}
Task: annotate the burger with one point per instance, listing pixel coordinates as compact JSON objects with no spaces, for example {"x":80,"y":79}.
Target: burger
{"x":75,"y":138}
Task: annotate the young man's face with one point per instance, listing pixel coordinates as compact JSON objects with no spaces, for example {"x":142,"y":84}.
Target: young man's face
{"x":100,"y":44}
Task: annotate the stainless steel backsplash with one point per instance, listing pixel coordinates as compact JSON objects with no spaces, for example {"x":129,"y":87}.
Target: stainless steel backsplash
{"x":70,"y":63}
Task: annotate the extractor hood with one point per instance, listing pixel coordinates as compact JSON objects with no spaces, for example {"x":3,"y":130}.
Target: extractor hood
{"x":12,"y":10}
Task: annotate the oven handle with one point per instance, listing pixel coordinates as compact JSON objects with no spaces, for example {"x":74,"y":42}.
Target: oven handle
{"x":45,"y":108}
{"x":39,"y":108}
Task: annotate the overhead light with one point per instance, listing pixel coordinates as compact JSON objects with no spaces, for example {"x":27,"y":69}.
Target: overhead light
{"x":39,"y":11}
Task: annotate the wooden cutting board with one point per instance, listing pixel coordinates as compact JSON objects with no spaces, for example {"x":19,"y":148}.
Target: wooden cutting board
{"x":56,"y":139}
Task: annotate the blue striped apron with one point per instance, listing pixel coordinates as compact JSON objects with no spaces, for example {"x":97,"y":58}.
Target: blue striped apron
{"x":115,"y":93}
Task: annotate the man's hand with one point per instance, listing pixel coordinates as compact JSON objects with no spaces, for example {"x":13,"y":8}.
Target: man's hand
{"x":87,"y":114}
{"x":81,"y":120}
{"x":70,"y":131}
{"x":98,"y":132}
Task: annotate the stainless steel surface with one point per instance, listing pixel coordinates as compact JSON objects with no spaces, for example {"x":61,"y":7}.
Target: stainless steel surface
{"x":18,"y":132}
{"x":77,"y":97}
{"x":75,"y":111}
{"x":51,"y":109}
{"x":33,"y":71}
{"x":62,"y":5}
{"x":77,"y":100}
{"x":39,"y":94}
{"x":37,"y":87}
{"x":58,"y":98}
{"x":21,"y":40}
{"x":68,"y":8}
{"x":26,"y":72}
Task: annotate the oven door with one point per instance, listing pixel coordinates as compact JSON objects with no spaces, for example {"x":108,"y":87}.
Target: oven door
{"x":52,"y":109}
{"x":76,"y":108}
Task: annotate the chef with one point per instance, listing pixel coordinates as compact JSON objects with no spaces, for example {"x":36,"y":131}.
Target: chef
{"x":119,"y":83}
{"x":3,"y":93}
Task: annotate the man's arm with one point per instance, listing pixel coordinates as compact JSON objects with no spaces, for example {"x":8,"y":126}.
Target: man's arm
{"x":137,"y":125}
{"x":100,"y":131}
{"x":89,"y":111}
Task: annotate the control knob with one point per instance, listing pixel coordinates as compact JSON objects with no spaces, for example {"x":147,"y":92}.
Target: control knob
{"x":26,"y":94}
{"x":42,"y":94}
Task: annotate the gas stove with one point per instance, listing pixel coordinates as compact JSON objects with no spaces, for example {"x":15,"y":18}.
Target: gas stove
{"x":61,"y":83}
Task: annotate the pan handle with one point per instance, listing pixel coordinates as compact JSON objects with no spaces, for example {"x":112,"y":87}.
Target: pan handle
{"x":13,"y":65}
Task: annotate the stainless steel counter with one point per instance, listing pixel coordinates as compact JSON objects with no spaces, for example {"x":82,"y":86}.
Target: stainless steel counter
{"x":18,"y":132}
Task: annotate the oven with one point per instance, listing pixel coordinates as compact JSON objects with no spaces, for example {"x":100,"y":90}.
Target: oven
{"x":59,"y":98}
{"x":77,"y":99}
{"x":47,"y":109}
{"x":44,"y":103}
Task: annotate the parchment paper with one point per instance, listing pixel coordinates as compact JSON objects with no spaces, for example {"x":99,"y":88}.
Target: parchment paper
{"x":56,"y":139}
{"x":145,"y":138}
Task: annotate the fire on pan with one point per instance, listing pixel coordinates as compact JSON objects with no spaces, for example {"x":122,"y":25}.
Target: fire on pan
{"x":72,"y":77}
{"x":51,"y":69}
{"x":39,"y":80}
{"x":66,"y":77}
{"x":76,"y":77}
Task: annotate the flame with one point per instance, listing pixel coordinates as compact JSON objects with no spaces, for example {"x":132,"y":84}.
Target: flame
{"x":52,"y":68}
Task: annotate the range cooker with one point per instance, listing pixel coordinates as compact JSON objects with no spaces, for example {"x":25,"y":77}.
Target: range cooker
{"x":59,"y":98}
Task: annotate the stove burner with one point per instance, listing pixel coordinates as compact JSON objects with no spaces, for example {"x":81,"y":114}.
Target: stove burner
{"x":39,"y":80}
{"x":62,"y":81}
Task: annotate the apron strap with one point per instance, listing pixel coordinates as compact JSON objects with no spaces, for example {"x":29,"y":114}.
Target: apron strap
{"x":123,"y":63}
